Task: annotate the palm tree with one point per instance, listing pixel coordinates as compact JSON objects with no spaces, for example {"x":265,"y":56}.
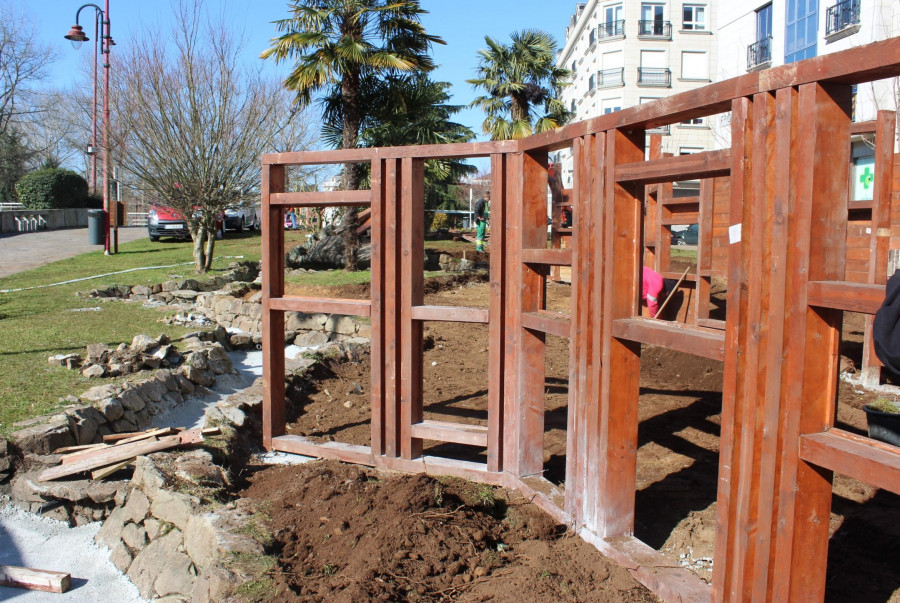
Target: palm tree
{"x":519,"y":79}
{"x":335,"y":44}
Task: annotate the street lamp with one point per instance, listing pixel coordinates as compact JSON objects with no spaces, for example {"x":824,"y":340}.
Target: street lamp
{"x":77,"y":37}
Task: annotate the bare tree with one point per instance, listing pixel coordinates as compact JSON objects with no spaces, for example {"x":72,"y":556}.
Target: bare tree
{"x":23,"y":61}
{"x":194,"y":119}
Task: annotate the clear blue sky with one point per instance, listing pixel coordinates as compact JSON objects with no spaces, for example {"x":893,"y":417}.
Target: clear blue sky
{"x":461,"y":23}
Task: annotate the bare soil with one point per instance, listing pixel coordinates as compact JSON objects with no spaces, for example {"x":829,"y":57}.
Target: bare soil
{"x":679,"y":410}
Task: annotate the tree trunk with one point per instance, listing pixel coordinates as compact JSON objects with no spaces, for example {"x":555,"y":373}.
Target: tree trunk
{"x":200,"y":248}
{"x":352,"y":175}
{"x":210,"y":246}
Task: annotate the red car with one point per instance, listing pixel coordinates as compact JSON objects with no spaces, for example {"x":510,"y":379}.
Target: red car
{"x":165,"y":221}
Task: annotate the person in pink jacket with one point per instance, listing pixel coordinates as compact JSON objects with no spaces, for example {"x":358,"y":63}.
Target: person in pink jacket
{"x":653,"y":288}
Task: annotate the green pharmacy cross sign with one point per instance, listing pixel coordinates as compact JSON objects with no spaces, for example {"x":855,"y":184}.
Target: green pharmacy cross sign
{"x":866,"y":178}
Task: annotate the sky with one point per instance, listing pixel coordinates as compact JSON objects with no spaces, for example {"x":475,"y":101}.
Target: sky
{"x":462,"y":24}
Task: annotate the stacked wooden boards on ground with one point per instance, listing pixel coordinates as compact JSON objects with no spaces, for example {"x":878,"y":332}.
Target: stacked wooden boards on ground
{"x":119,"y":450}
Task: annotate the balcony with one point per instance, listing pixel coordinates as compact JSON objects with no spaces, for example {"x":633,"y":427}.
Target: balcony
{"x":611,"y":30}
{"x":759,"y":54}
{"x":660,"y":77}
{"x":611,"y":78}
{"x":654,"y":30}
{"x":841,"y":17}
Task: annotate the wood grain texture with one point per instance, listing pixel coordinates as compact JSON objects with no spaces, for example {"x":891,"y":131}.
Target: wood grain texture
{"x":707,"y":343}
{"x":322,"y":305}
{"x":323,"y":198}
{"x":684,"y":167}
{"x":35,"y":579}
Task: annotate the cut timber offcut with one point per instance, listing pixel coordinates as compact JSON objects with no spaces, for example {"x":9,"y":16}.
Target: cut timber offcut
{"x":34,"y":579}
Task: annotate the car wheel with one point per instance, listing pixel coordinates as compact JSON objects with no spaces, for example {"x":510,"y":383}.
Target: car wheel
{"x":154,"y":239}
{"x":240,"y":227}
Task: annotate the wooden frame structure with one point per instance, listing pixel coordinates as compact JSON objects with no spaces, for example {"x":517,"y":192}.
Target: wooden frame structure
{"x":787,"y":292}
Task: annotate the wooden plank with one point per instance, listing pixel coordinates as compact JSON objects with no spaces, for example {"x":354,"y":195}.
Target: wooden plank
{"x":451,"y":314}
{"x":497,"y":327}
{"x":377,"y":305}
{"x":552,"y":323}
{"x":691,"y":217}
{"x":704,"y":250}
{"x":322,"y":198}
{"x":649,"y":567}
{"x":547,"y":257}
{"x":391,"y":300}
{"x":862,"y":459}
{"x":711,"y":323}
{"x":684,"y":167}
{"x":435,"y":465}
{"x":672,"y":202}
{"x":107,"y":471}
{"x":671,"y":335}
{"x":314,"y":305}
{"x":117,"y":437}
{"x":273,"y":412}
{"x":444,"y":151}
{"x":444,"y":431}
{"x":34,"y":579}
{"x":841,"y":295}
{"x":163,"y":431}
{"x":412,"y":293}
{"x":81,"y":448}
{"x":348,"y":453}
{"x":862,"y":127}
{"x":115,"y":454}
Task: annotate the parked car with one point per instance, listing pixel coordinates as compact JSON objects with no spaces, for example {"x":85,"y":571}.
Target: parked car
{"x":688,"y":236}
{"x":239,"y":217}
{"x":163,"y":221}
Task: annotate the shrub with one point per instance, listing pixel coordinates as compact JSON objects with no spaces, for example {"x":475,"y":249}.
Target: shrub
{"x":52,"y":188}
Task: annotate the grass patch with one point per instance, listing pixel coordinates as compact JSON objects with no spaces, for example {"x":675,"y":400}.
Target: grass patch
{"x":258,"y":585}
{"x":885,"y":405}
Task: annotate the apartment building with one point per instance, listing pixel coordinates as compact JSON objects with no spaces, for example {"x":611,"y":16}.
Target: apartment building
{"x":626,"y":52}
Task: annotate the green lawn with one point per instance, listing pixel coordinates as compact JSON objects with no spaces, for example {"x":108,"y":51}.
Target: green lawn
{"x":38,"y":323}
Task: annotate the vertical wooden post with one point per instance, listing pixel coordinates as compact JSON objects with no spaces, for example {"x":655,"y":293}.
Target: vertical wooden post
{"x":376,"y":317}
{"x":885,"y":129}
{"x":531,"y":299}
{"x":652,"y":209}
{"x":412,"y":292}
{"x":620,"y":361}
{"x":704,"y":250}
{"x":273,"y":181}
{"x":781,"y":355}
{"x":664,"y":236}
{"x":512,"y":403}
{"x":498,"y":309}
{"x":391,"y":320}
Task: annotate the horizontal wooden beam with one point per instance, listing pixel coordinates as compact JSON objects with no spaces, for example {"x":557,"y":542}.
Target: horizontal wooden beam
{"x":673,"y":336}
{"x":426,"y":151}
{"x":861,"y":458}
{"x":435,"y":465}
{"x":552,"y":323}
{"x":670,"y":201}
{"x":34,"y":579}
{"x":322,"y":305}
{"x":841,"y":295}
{"x":862,"y":127}
{"x":685,"y":217}
{"x":711,"y":323}
{"x":683,"y":167}
{"x":444,"y":431}
{"x":547,"y":257}
{"x":322,"y":198}
{"x":349,"y":453}
{"x":451,"y":314}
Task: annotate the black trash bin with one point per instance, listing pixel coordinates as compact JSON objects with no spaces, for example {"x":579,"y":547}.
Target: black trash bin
{"x":96,"y":230}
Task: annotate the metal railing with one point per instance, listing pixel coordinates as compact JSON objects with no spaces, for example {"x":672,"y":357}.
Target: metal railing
{"x":11,"y":207}
{"x":654,"y":76}
{"x":759,"y":53}
{"x":611,"y":29}
{"x":608,"y":78}
{"x":655,"y":29}
{"x":841,"y":16}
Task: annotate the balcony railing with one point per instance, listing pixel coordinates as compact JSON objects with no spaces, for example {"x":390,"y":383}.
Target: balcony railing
{"x":759,"y":53}
{"x":841,"y":16}
{"x":612,"y":29}
{"x":654,"y":76}
{"x":610,"y":78}
{"x":655,"y":29}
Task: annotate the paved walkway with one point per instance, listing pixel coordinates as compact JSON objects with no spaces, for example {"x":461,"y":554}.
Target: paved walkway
{"x":27,"y":250}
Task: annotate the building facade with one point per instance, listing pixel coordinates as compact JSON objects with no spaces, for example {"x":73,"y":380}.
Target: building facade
{"x":625,"y":52}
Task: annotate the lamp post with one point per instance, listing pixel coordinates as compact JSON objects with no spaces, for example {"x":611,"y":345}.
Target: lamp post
{"x":103,"y":36}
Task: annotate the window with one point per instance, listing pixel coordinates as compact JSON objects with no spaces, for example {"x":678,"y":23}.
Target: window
{"x":696,"y":122}
{"x":652,"y":21}
{"x":694,"y":66}
{"x":591,"y":83}
{"x":801,"y":29}
{"x":612,"y":70}
{"x":842,"y":16}
{"x":572,"y":106}
{"x":693,"y":17}
{"x":764,"y":22}
{"x":611,"y":104}
{"x":654,"y":69}
{"x":689,"y":150}
{"x":613,"y":24}
{"x":592,"y":37}
{"x":574,"y":65}
{"x":760,"y":52}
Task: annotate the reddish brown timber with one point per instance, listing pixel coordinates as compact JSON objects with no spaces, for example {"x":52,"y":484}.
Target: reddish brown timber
{"x":684,"y":167}
{"x":547,"y":257}
{"x":34,"y":579}
{"x":391,"y":320}
{"x":273,"y":411}
{"x":323,"y":305}
{"x":707,"y":343}
{"x":322,"y":198}
{"x":348,"y":453}
{"x":451,"y":314}
{"x":444,"y":431}
{"x":552,"y":323}
{"x":711,"y":323}
{"x":435,"y":465}
{"x":686,"y":217}
{"x":498,"y":308}
{"x":110,"y":469}
{"x":862,"y":127}
{"x":866,"y":460}
{"x":841,"y":295}
{"x":444,"y":151}
{"x":672,"y":201}
{"x":377,"y":299}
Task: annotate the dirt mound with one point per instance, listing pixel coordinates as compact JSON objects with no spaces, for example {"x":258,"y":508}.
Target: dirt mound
{"x":347,"y":533}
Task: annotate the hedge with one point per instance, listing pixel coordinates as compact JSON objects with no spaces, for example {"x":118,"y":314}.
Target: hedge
{"x":52,"y":188}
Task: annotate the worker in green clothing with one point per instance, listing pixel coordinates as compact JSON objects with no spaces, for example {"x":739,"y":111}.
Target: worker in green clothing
{"x":482,"y":212}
